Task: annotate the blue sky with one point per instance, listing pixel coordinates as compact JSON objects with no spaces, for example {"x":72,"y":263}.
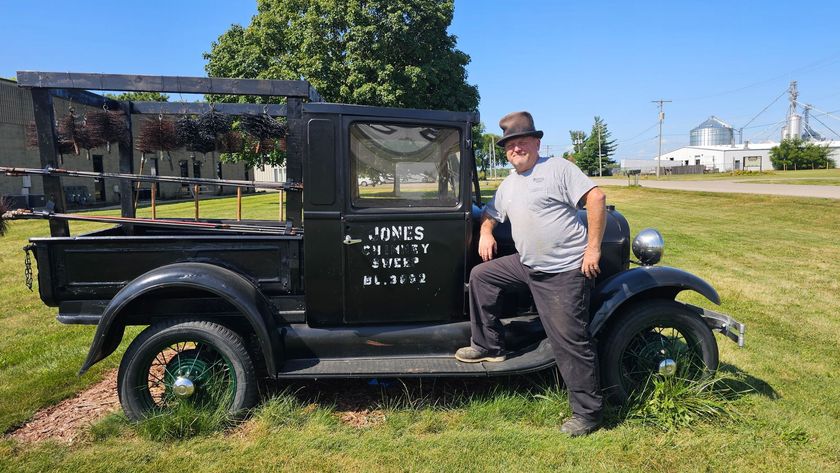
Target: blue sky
{"x":564,"y":61}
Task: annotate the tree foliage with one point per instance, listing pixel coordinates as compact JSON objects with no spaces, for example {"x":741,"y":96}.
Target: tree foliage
{"x":586,"y":153}
{"x":394,"y":53}
{"x":795,"y":153}
{"x":139,"y":97}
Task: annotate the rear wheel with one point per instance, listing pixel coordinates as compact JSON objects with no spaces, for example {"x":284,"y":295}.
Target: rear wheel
{"x":660,"y":336}
{"x":196,"y":362}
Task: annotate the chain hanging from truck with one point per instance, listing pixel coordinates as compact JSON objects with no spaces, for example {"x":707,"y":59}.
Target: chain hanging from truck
{"x":27,"y":266}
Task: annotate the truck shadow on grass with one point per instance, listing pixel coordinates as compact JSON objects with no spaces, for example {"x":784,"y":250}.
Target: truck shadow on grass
{"x":740,"y":381}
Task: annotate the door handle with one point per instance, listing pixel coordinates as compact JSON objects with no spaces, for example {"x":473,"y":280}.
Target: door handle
{"x":351,"y":241}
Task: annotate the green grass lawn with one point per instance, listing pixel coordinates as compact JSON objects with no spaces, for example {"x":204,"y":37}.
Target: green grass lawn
{"x":830,"y":175}
{"x":774,"y":261}
{"x":800,"y":181}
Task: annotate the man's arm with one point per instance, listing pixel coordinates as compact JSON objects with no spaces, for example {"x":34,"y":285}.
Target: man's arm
{"x":486,"y":240}
{"x":596,"y":214}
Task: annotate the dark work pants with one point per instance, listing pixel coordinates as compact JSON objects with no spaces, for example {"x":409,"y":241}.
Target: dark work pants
{"x":562,"y":300}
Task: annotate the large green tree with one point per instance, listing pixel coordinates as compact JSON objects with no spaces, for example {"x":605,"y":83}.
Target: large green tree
{"x":374,"y":52}
{"x":798,"y":154}
{"x":599,"y":141}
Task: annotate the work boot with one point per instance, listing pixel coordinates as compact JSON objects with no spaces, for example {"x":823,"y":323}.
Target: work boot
{"x":474,"y":355}
{"x":576,"y":426}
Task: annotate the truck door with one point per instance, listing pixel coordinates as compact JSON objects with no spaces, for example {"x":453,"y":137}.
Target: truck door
{"x":406,"y":221}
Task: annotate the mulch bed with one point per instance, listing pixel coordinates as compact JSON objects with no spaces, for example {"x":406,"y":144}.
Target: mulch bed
{"x":68,"y":420}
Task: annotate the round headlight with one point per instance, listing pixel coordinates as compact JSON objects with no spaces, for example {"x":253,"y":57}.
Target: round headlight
{"x":648,"y":246}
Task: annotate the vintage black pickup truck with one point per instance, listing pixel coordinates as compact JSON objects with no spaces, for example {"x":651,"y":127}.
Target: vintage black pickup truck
{"x":373,"y":284}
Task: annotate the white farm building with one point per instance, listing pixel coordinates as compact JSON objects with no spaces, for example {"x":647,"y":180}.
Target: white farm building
{"x":725,"y":158}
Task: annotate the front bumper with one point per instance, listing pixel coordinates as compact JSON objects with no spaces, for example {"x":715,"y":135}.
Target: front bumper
{"x":722,"y":323}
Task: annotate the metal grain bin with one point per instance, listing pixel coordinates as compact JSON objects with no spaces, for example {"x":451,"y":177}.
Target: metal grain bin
{"x":713,"y":131}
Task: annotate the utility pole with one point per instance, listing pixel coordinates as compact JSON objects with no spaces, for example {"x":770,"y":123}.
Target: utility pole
{"x":600,"y":167}
{"x":577,"y":142}
{"x":661,"y":119}
{"x":493,"y":157}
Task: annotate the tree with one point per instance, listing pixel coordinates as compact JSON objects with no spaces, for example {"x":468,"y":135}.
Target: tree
{"x":139,"y":97}
{"x":586,"y":156}
{"x":793,"y":153}
{"x":394,"y":53}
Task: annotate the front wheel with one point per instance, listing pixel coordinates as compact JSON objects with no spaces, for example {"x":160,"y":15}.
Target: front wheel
{"x":196,"y":362}
{"x":661,"y":336}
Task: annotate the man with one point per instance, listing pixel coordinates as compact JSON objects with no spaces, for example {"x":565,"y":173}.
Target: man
{"x":556,"y":259}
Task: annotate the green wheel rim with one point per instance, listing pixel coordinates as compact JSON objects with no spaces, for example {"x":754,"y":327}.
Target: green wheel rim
{"x":211,"y":372}
{"x":649,"y":347}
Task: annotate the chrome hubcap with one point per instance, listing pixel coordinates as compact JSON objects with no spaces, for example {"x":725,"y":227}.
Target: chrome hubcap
{"x":667,"y":367}
{"x":183,"y":387}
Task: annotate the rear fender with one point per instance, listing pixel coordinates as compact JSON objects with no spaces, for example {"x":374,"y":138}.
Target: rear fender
{"x":639,"y":283}
{"x":241,"y":293}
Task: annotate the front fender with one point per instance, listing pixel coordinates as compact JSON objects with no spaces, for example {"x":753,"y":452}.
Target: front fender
{"x":227,"y":284}
{"x":657,"y":281}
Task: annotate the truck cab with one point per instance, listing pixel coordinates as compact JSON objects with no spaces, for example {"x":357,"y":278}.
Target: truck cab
{"x":397,"y":252}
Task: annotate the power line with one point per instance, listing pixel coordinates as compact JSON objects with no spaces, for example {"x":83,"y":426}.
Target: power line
{"x":764,"y":124}
{"x":741,"y":130}
{"x":773,"y":130}
{"x":638,"y":134}
{"x":813,"y":65}
{"x":643,"y":140}
{"x":824,"y":113}
{"x":823,"y":124}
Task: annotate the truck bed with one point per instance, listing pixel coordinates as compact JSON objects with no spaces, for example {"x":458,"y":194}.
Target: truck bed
{"x":80,"y":274}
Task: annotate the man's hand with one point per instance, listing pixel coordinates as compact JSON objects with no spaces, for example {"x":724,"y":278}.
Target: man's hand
{"x":596,"y":215}
{"x":590,"y":267}
{"x":486,"y":240}
{"x":486,"y":246}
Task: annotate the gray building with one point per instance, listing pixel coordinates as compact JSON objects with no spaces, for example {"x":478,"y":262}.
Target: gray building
{"x":16,"y":114}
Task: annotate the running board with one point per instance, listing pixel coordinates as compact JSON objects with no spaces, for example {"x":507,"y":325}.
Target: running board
{"x":538,"y":357}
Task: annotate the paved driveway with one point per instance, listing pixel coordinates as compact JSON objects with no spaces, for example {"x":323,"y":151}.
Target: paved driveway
{"x":733,"y":186}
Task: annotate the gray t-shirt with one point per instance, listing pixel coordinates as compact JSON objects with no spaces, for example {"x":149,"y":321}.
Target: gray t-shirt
{"x":542,"y":207}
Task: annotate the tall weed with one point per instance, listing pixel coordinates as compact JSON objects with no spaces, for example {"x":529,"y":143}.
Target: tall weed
{"x":671,"y":402}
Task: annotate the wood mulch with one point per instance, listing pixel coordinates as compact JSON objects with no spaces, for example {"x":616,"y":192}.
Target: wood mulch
{"x":357,"y":405}
{"x":68,"y":420}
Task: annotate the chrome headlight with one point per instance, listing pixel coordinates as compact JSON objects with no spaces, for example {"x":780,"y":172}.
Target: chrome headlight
{"x":648,"y":246}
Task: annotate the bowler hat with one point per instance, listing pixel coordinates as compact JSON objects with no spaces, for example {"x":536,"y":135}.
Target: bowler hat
{"x":518,"y":124}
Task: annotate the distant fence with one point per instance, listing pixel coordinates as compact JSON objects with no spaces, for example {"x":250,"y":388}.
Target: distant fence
{"x":693,"y":169}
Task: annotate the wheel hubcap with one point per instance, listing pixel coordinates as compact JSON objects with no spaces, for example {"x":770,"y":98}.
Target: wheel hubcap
{"x":183,"y":387}
{"x":667,"y":367}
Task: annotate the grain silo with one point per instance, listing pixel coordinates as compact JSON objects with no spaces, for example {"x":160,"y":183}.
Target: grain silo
{"x":713,"y":131}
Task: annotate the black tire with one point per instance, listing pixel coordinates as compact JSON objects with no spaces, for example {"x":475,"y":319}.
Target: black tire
{"x":211,"y":356}
{"x":644,"y":336}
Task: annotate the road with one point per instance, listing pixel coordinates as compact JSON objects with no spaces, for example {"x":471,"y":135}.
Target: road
{"x":732,"y":186}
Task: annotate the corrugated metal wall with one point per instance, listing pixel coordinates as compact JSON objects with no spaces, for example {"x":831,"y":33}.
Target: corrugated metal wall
{"x":15,"y":104}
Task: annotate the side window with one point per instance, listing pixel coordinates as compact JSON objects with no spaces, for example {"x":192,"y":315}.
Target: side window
{"x":394,"y":165}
